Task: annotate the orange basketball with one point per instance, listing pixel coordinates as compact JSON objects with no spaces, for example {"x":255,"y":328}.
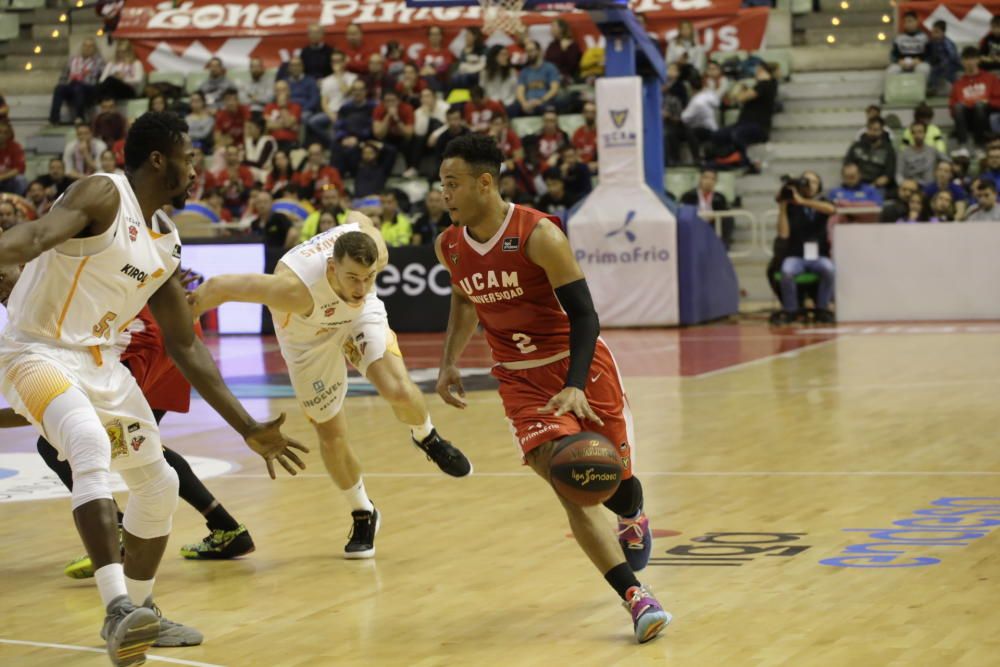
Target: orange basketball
{"x":586,"y":469}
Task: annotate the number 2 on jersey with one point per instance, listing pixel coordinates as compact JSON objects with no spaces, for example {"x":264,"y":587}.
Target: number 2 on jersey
{"x":523,"y":342}
{"x":103,"y":328}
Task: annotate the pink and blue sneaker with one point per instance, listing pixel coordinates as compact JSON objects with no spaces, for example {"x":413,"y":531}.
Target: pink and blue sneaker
{"x":636,"y":540}
{"x":648,"y":616}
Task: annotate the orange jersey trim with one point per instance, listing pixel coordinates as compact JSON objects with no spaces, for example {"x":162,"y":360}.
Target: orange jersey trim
{"x":69,"y":298}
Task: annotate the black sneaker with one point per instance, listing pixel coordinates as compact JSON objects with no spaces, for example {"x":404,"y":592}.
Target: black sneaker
{"x":361,"y":542}
{"x":824,"y":316}
{"x":221,"y":545}
{"x":447,"y":457}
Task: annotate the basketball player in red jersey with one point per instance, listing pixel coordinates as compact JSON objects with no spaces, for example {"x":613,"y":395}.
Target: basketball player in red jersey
{"x":513,"y":270}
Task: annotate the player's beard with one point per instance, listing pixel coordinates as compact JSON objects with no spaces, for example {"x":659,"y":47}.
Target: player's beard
{"x":174,"y":179}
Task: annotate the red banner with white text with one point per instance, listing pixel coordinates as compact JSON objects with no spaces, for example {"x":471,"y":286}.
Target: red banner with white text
{"x":968,"y":22}
{"x":184,"y":37}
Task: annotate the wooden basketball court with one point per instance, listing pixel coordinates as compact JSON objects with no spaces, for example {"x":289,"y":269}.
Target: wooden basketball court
{"x":769,"y":460}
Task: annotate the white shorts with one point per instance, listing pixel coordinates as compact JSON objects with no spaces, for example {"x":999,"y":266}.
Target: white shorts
{"x":36,"y":372}
{"x":318,"y":370}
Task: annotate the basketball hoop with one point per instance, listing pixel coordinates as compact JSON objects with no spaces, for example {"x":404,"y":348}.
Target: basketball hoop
{"x":502,"y":15}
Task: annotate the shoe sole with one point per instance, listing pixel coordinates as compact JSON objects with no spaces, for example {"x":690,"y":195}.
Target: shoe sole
{"x":174,"y":642}
{"x":368,"y":553}
{"x":655,"y":628}
{"x":79,"y":572}
{"x":133,"y":637}
{"x":197,"y":555}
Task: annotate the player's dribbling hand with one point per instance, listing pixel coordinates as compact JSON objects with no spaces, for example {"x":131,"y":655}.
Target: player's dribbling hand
{"x":572,"y":400}
{"x":267,"y":440}
{"x":447,"y":378}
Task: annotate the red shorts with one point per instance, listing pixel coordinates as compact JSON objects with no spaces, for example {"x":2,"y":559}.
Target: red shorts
{"x":163,"y":385}
{"x":523,"y":392}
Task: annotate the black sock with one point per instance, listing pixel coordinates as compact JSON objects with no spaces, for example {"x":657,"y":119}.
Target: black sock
{"x":219,"y":519}
{"x":192,"y":490}
{"x":621,"y":577}
{"x":627,"y":500}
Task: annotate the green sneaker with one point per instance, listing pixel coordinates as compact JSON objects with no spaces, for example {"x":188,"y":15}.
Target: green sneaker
{"x":221,"y":545}
{"x":82,"y":568}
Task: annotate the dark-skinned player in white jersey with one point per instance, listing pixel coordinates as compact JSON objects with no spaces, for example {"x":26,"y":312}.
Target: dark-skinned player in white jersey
{"x":512,"y":269}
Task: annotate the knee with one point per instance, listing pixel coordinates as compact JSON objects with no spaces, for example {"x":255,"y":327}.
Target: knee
{"x":397,"y":392}
{"x":90,"y":485}
{"x":152,"y":500}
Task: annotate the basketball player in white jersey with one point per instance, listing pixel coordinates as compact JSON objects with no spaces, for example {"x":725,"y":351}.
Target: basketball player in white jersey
{"x":324,"y":306}
{"x":92,"y":262}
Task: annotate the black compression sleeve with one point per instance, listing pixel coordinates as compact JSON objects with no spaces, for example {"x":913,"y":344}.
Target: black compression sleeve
{"x":584,"y":327}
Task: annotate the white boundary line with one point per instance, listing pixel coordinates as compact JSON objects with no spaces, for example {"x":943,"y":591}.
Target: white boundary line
{"x":646,"y":473}
{"x":87,"y":649}
{"x":762,"y":360}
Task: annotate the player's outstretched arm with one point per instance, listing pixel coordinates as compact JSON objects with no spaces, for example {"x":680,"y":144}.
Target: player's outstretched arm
{"x":92,"y":202}
{"x":173,"y":314}
{"x":282,"y":291}
{"x":462,"y":321}
{"x":549,"y":248}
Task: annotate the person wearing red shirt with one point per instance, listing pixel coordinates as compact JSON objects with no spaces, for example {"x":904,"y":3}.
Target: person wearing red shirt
{"x":230,"y":120}
{"x":585,"y":137}
{"x":435,"y":60}
{"x":11,"y":162}
{"x":410,"y":85}
{"x":392,"y":123}
{"x":518,"y":54}
{"x":203,"y":181}
{"x":479,"y":111}
{"x":557,"y":377}
{"x":316,"y":174}
{"x":513,"y":154}
{"x":283,"y":117}
{"x":973,"y":97}
{"x":234,"y":181}
{"x":281,"y":175}
{"x":545,"y":145}
{"x":357,"y":54}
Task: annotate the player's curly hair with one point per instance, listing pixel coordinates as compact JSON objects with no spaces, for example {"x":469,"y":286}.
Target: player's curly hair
{"x":152,"y":131}
{"x":480,"y":151}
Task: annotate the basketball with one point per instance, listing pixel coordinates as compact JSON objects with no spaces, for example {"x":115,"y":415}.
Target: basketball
{"x":586,"y":469}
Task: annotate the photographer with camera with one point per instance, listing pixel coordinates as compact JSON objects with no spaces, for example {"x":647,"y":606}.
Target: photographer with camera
{"x":803,"y":244}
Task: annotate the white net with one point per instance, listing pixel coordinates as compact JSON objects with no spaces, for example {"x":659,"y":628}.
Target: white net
{"x":502,"y":15}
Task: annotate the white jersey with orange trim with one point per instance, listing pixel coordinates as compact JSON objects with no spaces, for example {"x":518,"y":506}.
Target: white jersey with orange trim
{"x":84,"y":292}
{"x":316,"y":347}
{"x":329,"y":313}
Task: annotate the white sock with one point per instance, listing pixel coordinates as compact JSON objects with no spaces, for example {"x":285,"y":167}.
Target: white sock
{"x":421,"y":431}
{"x":110,"y":582}
{"x":139,"y":589}
{"x":357,"y":497}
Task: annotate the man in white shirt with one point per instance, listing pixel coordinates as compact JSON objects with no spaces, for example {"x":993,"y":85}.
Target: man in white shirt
{"x":985,"y":208}
{"x":333,"y":90}
{"x":259,"y":90}
{"x":700,"y":116}
{"x":82,"y":156}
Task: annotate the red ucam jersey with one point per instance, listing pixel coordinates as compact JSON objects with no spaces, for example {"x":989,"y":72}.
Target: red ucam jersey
{"x":512,"y":295}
